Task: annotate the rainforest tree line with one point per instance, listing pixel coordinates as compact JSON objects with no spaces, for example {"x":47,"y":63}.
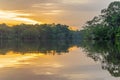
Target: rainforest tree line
{"x":37,"y":32}
{"x":105,"y":26}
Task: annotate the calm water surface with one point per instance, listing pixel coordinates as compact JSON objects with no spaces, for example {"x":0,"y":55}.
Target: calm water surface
{"x":74,"y":64}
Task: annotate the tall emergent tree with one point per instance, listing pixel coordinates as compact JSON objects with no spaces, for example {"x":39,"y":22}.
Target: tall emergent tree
{"x":105,"y":26}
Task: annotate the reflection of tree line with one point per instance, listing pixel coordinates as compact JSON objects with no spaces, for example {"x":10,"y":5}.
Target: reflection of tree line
{"x":45,"y":46}
{"x":107,"y":52}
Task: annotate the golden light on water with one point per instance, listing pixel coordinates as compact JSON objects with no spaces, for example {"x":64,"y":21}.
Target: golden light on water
{"x":12,"y":59}
{"x":18,"y":66}
{"x":16,"y":59}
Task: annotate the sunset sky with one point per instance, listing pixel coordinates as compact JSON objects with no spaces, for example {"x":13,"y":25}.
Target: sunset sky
{"x":70,"y":12}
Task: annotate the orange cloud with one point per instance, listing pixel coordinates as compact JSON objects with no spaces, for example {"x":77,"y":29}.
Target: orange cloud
{"x":10,"y":17}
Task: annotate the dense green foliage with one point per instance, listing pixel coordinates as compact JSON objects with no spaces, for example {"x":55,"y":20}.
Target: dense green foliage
{"x":103,"y":33}
{"x":37,"y":32}
{"x":105,"y":26}
{"x":43,"y":38}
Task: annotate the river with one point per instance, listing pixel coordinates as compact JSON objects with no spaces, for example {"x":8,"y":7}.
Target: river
{"x":75,"y":63}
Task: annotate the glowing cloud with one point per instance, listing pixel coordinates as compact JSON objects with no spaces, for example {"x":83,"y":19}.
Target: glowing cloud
{"x":69,"y":12}
{"x":53,"y":12}
{"x":76,"y":1}
{"x":16,"y":17}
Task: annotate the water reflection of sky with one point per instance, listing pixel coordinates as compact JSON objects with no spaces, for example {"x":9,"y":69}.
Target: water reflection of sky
{"x":72,"y":66}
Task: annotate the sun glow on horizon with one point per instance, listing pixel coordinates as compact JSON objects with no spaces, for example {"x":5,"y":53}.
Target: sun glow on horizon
{"x":73,"y":28}
{"x":12,"y":18}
